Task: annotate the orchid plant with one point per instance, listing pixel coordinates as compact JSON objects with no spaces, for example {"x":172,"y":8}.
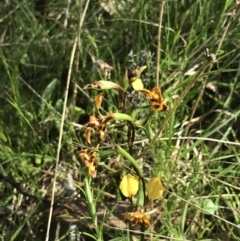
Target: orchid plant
{"x":134,"y":187}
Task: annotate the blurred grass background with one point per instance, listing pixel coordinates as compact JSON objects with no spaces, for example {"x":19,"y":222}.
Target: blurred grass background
{"x":197,"y":157}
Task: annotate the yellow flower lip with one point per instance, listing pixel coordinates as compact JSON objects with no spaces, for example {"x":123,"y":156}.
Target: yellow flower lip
{"x":129,"y":185}
{"x":154,"y":188}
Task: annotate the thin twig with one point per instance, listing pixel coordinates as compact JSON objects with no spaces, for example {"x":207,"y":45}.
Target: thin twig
{"x":75,"y":85}
{"x":60,"y":139}
{"x":66,"y":14}
{"x":62,"y":124}
{"x":159,"y":43}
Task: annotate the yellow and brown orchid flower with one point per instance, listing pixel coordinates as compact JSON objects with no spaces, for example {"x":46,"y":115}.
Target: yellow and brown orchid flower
{"x":139,"y":217}
{"x":90,"y":160}
{"x":155,"y":96}
{"x":98,"y":125}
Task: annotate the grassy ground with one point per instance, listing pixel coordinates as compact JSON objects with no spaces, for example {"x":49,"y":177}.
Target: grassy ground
{"x":45,"y":63}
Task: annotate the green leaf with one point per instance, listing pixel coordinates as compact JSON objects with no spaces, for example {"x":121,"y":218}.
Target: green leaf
{"x":47,"y":93}
{"x":49,"y":89}
{"x":129,"y":158}
{"x":121,"y":116}
{"x":209,"y":206}
{"x":3,"y":137}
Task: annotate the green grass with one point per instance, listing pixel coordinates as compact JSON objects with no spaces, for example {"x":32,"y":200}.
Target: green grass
{"x":196,"y":154}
